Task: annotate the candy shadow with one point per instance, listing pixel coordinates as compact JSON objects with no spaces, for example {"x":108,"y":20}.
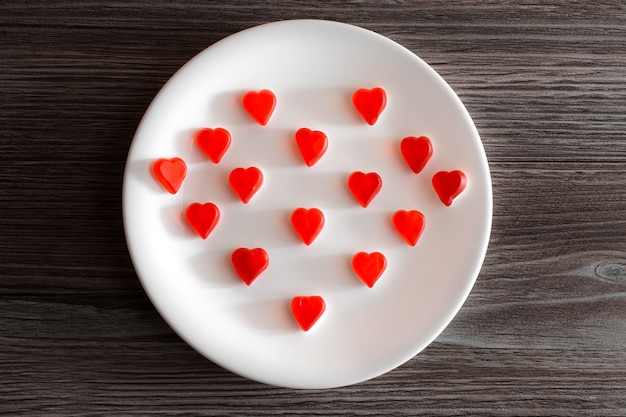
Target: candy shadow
{"x":227,"y":110}
{"x":367,"y":226}
{"x":208,"y":182}
{"x":270,"y":147}
{"x":267,"y":228}
{"x":295,"y":108}
{"x":317,"y":107}
{"x":142,"y":170}
{"x":325,"y":272}
{"x":215,"y":268}
{"x":186,"y":147}
{"x":324,"y":190}
{"x":271,"y":315}
{"x":174,"y":222}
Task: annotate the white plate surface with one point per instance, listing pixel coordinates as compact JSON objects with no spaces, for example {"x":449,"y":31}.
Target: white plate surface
{"x":313,"y":67}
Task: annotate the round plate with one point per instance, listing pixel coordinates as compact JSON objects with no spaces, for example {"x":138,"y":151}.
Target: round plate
{"x":313,"y":68}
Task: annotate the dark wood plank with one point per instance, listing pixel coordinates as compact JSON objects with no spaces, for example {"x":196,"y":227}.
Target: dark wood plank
{"x":542,"y":333}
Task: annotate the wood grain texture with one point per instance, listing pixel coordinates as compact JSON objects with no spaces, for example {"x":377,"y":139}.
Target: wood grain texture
{"x":542,"y":333}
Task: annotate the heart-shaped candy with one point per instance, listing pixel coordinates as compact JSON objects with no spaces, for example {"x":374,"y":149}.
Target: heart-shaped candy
{"x":409,"y":225}
{"x":307,"y":310}
{"x":259,"y":105}
{"x":202,"y":218}
{"x":370,"y":103}
{"x":416,"y":152}
{"x":364,"y":187}
{"x":213,"y":142}
{"x":245,"y":182}
{"x":307,"y":223}
{"x":170,"y":173}
{"x":448,"y":185}
{"x":312,"y":144}
{"x":369,"y":266}
{"x":250,"y":263}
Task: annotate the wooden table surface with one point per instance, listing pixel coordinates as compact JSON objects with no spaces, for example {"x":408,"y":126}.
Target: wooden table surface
{"x":542,"y":333}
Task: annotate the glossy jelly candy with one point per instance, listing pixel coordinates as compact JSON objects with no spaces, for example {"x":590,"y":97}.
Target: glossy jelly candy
{"x":409,"y":225}
{"x":369,"y":266}
{"x":416,"y":152}
{"x":312,"y":144}
{"x":202,"y":218}
{"x":370,"y":103}
{"x":245,"y":182}
{"x":307,"y":224}
{"x":250,"y":263}
{"x":307,"y":310}
{"x":364,"y":187}
{"x":170,"y":173}
{"x":259,"y":105}
{"x":448,"y":185}
{"x":213,"y":142}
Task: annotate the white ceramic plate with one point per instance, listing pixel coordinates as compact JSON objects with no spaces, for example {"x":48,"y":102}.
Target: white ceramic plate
{"x":313,"y":67}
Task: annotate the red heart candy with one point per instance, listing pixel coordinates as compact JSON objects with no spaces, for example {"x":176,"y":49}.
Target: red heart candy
{"x":448,"y":185}
{"x":170,"y":173}
{"x":245,"y":182}
{"x":213,"y":142}
{"x":202,"y":218}
{"x":416,"y":152}
{"x":409,"y":225}
{"x":312,"y":144}
{"x":364,"y":187}
{"x":307,"y":224}
{"x":259,"y":105}
{"x":369,"y":266}
{"x":370,"y":103}
{"x":250,"y":263}
{"x":307,"y":310}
